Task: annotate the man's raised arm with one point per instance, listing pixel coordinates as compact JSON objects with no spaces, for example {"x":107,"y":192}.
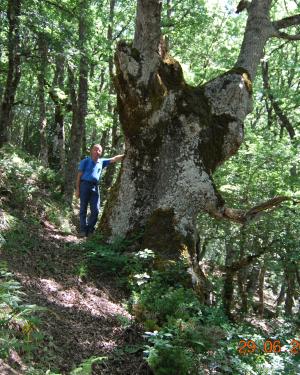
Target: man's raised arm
{"x":116,"y":158}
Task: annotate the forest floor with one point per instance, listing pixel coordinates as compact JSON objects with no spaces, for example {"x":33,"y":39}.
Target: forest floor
{"x":83,"y":318}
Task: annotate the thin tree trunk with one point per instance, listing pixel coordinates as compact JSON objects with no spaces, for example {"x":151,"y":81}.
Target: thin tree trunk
{"x":83,"y":73}
{"x":252,"y":283}
{"x":261,"y":283}
{"x":281,"y":295}
{"x":228,"y":287}
{"x":290,"y":277}
{"x":109,"y":173}
{"x":58,"y":130}
{"x":27,"y":127}
{"x":228,"y":290}
{"x":285,"y":122}
{"x":43,"y":51}
{"x":13,"y":70}
{"x":242,"y":274}
{"x":79,"y":106}
{"x":70,"y":169}
{"x":241,"y":278}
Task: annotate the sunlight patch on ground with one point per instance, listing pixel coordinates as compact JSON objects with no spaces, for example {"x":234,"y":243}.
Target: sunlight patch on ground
{"x":85,"y":298}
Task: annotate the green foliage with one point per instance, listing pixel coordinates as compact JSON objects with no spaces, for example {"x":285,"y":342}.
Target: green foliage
{"x":86,"y":367}
{"x":161,"y":301}
{"x":28,"y":187}
{"x":17,"y":238}
{"x":18,"y":324}
{"x":166,"y":359}
{"x":108,"y":259}
{"x":114,"y":259}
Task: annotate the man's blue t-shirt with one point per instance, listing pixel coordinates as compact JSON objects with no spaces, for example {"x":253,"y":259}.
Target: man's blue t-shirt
{"x":91,"y":170}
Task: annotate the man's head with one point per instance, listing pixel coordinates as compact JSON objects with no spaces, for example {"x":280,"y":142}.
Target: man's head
{"x":96,"y":152}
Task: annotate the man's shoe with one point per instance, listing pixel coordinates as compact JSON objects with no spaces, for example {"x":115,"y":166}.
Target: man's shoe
{"x":82,"y":234}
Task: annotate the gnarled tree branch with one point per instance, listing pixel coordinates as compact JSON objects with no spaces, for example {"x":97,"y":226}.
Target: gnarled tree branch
{"x":285,"y":122}
{"x":287,"y":36}
{"x":283,"y":24}
{"x":242,"y":216}
{"x":287,"y":22}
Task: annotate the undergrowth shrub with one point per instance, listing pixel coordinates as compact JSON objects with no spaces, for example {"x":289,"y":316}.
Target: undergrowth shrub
{"x":106,"y":258}
{"x":17,"y":237}
{"x":114,"y":260}
{"x":32,"y":190}
{"x":185,"y":337}
{"x":18,"y":324}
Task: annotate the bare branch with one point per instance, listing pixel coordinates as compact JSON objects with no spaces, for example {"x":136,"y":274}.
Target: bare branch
{"x":286,"y":36}
{"x":118,"y":35}
{"x":242,"y":217}
{"x":285,"y":122}
{"x":287,"y":22}
{"x":283,"y":24}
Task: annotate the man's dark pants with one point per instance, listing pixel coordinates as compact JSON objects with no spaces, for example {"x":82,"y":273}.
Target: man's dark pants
{"x":89,"y":195}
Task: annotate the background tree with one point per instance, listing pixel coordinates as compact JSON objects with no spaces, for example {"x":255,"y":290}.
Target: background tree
{"x":13,"y":69}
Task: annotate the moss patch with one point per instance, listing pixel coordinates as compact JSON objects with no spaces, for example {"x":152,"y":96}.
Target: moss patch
{"x":245,"y":75}
{"x":161,"y":236}
{"x":104,"y":225}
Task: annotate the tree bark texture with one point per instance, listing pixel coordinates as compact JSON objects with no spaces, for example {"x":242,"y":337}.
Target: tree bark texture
{"x":107,"y":179}
{"x":228,"y":286}
{"x":176,"y":135}
{"x":13,"y":69}
{"x":43,"y":52}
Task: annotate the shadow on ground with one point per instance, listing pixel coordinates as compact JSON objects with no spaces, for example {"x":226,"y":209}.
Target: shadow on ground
{"x":82,"y":318}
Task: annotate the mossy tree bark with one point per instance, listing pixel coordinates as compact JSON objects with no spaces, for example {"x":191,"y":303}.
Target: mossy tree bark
{"x":176,"y":135}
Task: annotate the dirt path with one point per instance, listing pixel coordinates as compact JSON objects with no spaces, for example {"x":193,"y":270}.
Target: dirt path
{"x":82,"y":318}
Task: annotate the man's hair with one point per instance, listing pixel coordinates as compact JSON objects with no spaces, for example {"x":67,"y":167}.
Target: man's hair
{"x":96,"y":145}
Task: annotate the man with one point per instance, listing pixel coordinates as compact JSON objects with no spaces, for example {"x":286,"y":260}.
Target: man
{"x":88,"y":177}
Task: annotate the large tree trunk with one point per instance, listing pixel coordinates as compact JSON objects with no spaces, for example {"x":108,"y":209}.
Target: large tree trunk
{"x":176,"y":135}
{"x":13,"y":69}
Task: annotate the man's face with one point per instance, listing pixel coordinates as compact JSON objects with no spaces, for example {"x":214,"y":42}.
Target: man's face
{"x":96,"y":152}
